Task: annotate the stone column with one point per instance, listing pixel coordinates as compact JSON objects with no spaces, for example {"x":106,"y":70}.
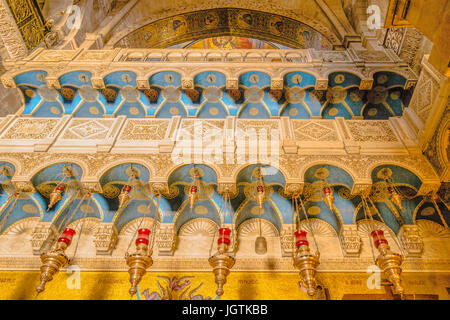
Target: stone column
{"x":10,"y":34}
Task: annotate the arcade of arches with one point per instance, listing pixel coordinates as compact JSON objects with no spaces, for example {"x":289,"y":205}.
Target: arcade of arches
{"x":191,"y":150}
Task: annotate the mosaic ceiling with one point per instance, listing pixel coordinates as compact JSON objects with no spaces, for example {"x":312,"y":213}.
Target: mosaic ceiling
{"x":210,"y":98}
{"x":229,"y":42}
{"x":225,"y":22}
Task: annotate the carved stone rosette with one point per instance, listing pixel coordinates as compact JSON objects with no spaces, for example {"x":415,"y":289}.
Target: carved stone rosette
{"x":350,"y":240}
{"x":411,"y":240}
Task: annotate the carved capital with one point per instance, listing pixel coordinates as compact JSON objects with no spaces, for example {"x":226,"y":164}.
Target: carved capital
{"x":43,"y":236}
{"x":410,"y":83}
{"x":350,"y":240}
{"x":92,"y":186}
{"x":8,"y":81}
{"x":321,"y":84}
{"x":232,"y":84}
{"x":159,"y":187}
{"x":23,"y":186}
{"x":224,"y":188}
{"x":277,"y":84}
{"x":53,"y":82}
{"x":411,"y":240}
{"x":142,"y":84}
{"x":166,"y":239}
{"x":362,"y":189}
{"x":293,"y":189}
{"x":105,"y":238}
{"x":187,"y":84}
{"x":97,"y":83}
{"x":366,"y":84}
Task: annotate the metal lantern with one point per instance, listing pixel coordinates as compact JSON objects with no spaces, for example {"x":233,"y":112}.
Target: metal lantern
{"x":388,"y":261}
{"x":56,"y":259}
{"x":306,"y":263}
{"x":56,"y":195}
{"x":139,"y":261}
{"x":221,"y":261}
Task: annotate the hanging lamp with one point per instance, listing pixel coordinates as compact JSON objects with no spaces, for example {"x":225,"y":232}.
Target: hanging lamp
{"x":387,"y":260}
{"x":222,"y":261}
{"x":139,"y":261}
{"x":304,"y":260}
{"x":56,"y":258}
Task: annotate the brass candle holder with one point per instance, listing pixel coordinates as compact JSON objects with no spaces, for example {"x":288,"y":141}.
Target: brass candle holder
{"x":55,"y":259}
{"x":306,"y":263}
{"x":139,"y":261}
{"x":388,"y":261}
{"x":221,"y":261}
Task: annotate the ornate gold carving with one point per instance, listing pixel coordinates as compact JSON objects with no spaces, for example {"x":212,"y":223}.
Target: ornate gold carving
{"x":321,"y":84}
{"x":350,"y":240}
{"x":232,"y":84}
{"x":187,"y":84}
{"x":307,"y":130}
{"x":411,"y":240}
{"x":377,"y":131}
{"x":166,"y":239}
{"x":9,"y":33}
{"x":366,"y":84}
{"x":43,"y":235}
{"x":105,"y":238}
{"x":33,"y":129}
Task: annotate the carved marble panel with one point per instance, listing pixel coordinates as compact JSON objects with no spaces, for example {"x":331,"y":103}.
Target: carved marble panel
{"x":146,"y":129}
{"x":315,"y":130}
{"x":371,"y":131}
{"x":30,"y":129}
